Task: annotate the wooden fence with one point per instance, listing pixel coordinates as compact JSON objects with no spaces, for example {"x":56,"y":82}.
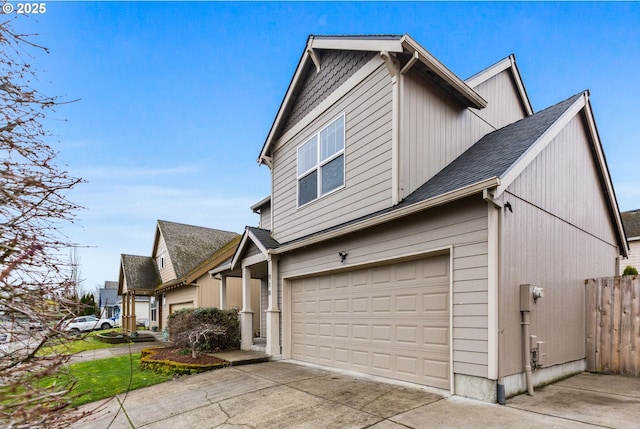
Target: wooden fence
{"x":613,"y":325}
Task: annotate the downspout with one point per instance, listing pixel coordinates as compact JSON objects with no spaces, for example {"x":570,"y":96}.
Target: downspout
{"x":527,"y":351}
{"x":394,"y":71}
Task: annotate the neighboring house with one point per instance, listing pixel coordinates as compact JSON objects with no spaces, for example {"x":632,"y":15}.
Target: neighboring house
{"x":176,"y":275}
{"x":407,"y":208}
{"x":631,"y":222}
{"x":107,"y":300}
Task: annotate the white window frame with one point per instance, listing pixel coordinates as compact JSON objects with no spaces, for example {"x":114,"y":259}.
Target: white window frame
{"x":321,"y":163}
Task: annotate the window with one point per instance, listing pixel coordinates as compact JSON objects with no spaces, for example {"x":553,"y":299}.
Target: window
{"x":321,"y":163}
{"x":154,"y":312}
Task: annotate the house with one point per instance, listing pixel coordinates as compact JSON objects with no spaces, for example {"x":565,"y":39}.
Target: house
{"x":631,"y":222}
{"x":176,"y":275}
{"x":408,"y":206}
{"x":107,"y":300}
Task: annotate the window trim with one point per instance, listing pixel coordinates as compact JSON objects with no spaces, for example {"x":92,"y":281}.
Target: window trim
{"x":321,"y":163}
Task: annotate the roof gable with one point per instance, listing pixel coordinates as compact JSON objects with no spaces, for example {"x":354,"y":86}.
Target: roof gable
{"x":139,"y":273}
{"x":508,"y":63}
{"x":258,"y":237}
{"x":382,"y":46}
{"x":493,"y":155}
{"x":188,"y":245}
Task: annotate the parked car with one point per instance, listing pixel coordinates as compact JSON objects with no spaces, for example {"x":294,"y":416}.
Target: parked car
{"x":86,"y":323}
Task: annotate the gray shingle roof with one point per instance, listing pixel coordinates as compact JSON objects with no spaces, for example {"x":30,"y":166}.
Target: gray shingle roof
{"x":189,"y":245}
{"x":492,"y":155}
{"x":264,"y":236}
{"x":140,"y":272}
{"x":631,"y":222}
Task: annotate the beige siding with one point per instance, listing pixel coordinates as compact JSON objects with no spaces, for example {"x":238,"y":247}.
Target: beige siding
{"x":208,"y":291}
{"x":462,"y":225}
{"x":436,"y":129}
{"x":367,"y":188}
{"x":265,"y":218}
{"x":167,"y":273}
{"x":505,"y":105}
{"x":634,"y":256}
{"x":557,"y":235}
{"x":564,"y":181}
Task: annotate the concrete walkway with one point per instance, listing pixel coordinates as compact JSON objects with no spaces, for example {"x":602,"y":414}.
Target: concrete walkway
{"x":284,"y":394}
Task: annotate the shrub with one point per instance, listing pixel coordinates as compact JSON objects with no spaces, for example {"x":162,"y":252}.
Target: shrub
{"x":206,"y":329}
{"x":630,"y":271}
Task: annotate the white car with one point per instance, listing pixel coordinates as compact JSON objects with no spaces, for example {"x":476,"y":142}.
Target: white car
{"x":87,"y":323}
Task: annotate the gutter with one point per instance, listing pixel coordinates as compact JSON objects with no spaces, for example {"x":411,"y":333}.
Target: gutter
{"x":391,"y":215}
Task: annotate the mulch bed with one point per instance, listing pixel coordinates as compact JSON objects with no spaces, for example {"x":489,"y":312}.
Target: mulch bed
{"x":175,"y":354}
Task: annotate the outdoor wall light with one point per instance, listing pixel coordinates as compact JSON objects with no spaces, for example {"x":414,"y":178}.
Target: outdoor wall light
{"x":343,"y":255}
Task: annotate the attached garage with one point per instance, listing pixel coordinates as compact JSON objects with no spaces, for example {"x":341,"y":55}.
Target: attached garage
{"x":388,"y":320}
{"x":180,"y":306}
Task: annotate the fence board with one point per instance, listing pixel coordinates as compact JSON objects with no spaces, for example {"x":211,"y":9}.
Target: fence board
{"x":613,"y":325}
{"x":591,"y":327}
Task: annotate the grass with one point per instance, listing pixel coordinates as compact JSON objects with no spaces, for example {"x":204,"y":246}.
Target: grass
{"x":104,"y":378}
{"x":86,"y":342}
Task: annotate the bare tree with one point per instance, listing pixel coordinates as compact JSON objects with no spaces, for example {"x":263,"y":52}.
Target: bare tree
{"x":35,"y":277}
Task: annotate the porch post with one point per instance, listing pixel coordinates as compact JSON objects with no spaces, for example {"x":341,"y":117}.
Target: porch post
{"x":246,"y":315}
{"x":125,"y":313}
{"x":133,"y":312}
{"x":223,"y":292}
{"x":273,"y":313}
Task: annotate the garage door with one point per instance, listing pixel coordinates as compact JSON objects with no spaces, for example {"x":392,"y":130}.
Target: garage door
{"x":391,"y":321}
{"x":180,"y":306}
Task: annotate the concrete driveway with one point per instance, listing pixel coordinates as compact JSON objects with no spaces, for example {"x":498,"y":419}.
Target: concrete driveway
{"x":283,"y":395}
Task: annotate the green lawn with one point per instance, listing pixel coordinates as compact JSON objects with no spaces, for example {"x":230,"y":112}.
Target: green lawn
{"x":83,"y":343}
{"x":104,"y":378}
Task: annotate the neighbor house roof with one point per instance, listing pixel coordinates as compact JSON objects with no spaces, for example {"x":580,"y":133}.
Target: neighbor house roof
{"x":140,"y":273}
{"x":631,"y":221}
{"x":108,"y":295}
{"x":188,"y":245}
{"x":386,"y":46}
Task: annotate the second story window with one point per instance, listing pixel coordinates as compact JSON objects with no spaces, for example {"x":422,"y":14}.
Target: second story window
{"x":321,"y":163}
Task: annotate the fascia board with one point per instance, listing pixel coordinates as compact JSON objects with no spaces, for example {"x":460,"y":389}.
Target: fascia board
{"x":488,"y":73}
{"x":220,"y":268}
{"x":260,"y":203}
{"x":356,"y":44}
{"x":502,"y":65}
{"x":239,"y":249}
{"x":515,"y":71}
{"x":392,"y":215}
{"x":285,"y":102}
{"x":604,"y":169}
{"x":474,"y":99}
{"x":528,"y":156}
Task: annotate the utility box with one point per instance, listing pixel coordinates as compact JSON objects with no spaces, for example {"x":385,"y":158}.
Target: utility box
{"x":529,"y":295}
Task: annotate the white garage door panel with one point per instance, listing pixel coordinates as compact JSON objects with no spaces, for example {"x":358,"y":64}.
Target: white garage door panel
{"x":391,"y":321}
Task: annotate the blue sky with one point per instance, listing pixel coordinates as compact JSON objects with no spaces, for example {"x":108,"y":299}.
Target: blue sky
{"x":177,"y":98}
